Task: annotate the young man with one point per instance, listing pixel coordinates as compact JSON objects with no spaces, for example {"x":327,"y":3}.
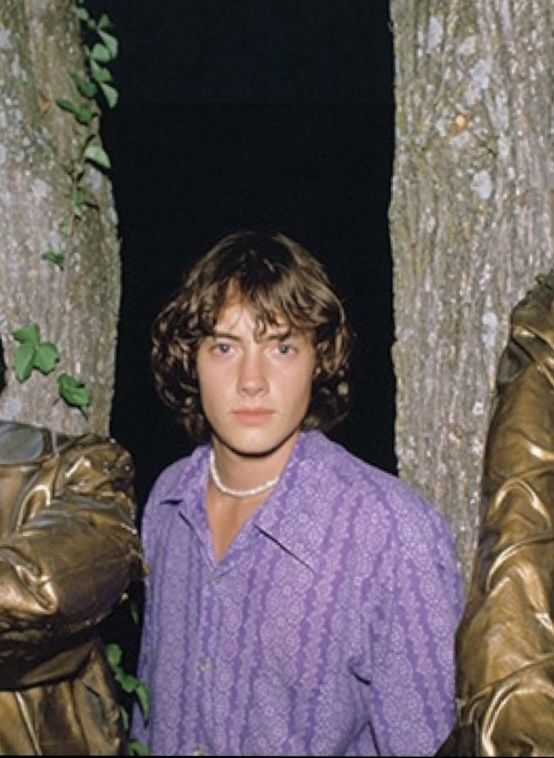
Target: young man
{"x":68,"y":550}
{"x":300,"y":602}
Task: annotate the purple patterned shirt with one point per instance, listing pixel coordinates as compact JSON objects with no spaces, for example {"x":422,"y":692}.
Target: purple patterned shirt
{"x":327,"y":628}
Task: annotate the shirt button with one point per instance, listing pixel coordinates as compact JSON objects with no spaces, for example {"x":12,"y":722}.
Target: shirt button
{"x":205,"y":664}
{"x":198,"y":750}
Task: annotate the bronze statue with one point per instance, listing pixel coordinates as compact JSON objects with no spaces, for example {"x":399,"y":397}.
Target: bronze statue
{"x":505,"y":642}
{"x":68,"y":549}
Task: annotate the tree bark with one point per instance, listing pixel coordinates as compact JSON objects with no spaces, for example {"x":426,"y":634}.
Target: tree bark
{"x":471,"y":221}
{"x":77,"y":307}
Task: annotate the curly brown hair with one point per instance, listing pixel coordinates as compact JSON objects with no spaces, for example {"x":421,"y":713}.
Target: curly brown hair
{"x":278,"y":278}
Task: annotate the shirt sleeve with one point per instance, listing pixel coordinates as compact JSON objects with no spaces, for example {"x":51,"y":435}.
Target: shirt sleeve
{"x":70,"y":556}
{"x":412,"y":630}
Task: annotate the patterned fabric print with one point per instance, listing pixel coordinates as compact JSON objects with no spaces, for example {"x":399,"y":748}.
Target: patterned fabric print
{"x":326,"y":629}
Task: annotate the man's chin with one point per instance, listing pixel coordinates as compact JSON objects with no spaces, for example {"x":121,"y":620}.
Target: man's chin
{"x":255,"y":446}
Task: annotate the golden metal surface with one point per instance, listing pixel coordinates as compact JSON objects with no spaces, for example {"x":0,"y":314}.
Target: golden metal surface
{"x":505,"y":642}
{"x":68,"y":550}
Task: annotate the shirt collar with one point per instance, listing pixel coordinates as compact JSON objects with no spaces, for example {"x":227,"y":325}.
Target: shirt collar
{"x":293,"y":515}
{"x":190,"y":487}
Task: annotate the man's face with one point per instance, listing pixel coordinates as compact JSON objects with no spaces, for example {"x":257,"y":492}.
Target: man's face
{"x":255,"y":388}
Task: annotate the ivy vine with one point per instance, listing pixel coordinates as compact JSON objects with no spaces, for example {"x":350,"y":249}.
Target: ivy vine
{"x":94,"y":84}
{"x":132,"y":686}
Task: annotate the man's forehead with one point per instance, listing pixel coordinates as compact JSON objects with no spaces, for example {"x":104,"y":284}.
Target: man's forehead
{"x":235,"y":310}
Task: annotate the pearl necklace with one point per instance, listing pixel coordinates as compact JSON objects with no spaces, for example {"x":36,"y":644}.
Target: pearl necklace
{"x":237,"y":493}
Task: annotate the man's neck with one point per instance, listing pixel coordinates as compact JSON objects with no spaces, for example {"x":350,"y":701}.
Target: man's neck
{"x":243,"y":471}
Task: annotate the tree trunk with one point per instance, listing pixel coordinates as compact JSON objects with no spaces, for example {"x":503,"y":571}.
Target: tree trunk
{"x":77,"y":307}
{"x":471,"y":222}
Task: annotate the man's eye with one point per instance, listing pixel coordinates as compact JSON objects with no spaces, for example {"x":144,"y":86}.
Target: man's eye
{"x":222,"y":348}
{"x":285,"y":349}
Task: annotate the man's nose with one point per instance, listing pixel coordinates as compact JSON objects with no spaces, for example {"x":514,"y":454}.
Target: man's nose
{"x":252,"y":378}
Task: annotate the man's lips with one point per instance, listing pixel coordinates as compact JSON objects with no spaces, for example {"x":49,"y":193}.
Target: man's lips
{"x":252,"y":415}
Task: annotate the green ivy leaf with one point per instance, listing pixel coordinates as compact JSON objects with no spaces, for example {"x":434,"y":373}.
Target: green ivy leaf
{"x":74,"y":392}
{"x":86,"y":86}
{"x":28,"y":335}
{"x":78,"y":200}
{"x":46,"y":356}
{"x":104,"y":22}
{"x":98,"y":155}
{"x":114,"y":654}
{"x":136,"y":747}
{"x":143,"y":697}
{"x":32,"y":353}
{"x":84,"y":114}
{"x":101,"y":74}
{"x":127,"y":682}
{"x":124,"y":717}
{"x":23,"y":360}
{"x":52,"y":256}
{"x":81,"y":13}
{"x":110,"y":93}
{"x":67,"y":105}
{"x":100,"y":53}
{"x":110,"y":42}
{"x":76,"y":196}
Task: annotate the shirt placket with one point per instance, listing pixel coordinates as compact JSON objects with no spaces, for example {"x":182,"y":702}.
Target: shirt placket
{"x":205,"y":664}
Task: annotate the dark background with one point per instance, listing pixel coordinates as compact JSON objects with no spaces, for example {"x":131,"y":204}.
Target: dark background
{"x":251,"y":114}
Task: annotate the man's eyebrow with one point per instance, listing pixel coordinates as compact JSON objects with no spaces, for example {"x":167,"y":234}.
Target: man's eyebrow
{"x":219,"y":334}
{"x":284,"y":334}
{"x":279,"y":334}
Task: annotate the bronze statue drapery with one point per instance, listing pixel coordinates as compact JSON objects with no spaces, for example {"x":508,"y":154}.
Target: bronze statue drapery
{"x":505,"y":642}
